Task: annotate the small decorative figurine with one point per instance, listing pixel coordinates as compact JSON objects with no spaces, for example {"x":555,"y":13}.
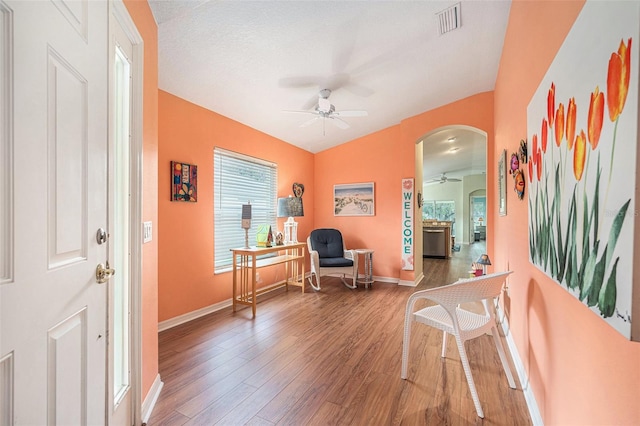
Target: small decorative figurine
{"x":279,"y":238}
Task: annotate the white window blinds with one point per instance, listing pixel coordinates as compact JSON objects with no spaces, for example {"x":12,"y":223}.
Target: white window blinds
{"x":238,"y":179}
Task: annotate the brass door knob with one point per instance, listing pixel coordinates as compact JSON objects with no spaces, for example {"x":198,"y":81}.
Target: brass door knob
{"x":103,"y":273}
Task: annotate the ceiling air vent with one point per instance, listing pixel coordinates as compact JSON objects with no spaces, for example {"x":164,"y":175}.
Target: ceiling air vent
{"x":449,"y":19}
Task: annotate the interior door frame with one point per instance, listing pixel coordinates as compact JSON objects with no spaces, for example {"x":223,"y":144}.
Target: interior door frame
{"x":119,"y":12}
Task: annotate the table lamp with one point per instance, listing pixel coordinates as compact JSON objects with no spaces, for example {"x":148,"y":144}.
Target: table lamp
{"x":484,"y":261}
{"x":290,"y":207}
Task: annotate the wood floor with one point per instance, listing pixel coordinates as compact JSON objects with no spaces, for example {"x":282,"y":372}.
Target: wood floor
{"x":330,"y":358}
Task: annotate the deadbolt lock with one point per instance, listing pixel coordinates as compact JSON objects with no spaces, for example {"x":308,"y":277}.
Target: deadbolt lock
{"x":103,"y":273}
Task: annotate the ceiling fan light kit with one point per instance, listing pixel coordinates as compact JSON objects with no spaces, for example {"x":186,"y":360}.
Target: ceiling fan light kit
{"x":324,"y":109}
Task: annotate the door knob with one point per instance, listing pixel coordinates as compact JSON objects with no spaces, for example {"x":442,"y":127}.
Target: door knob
{"x":103,"y":273}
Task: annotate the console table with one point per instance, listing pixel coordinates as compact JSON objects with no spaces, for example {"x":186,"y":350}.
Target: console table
{"x":246,"y":264}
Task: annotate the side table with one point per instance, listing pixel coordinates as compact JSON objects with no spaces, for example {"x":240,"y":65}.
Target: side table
{"x":367,"y":278}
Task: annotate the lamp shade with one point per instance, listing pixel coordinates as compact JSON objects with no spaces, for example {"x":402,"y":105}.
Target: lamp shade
{"x":484,"y":260}
{"x":290,"y":207}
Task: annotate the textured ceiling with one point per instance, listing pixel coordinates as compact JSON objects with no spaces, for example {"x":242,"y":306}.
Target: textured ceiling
{"x":253,"y":60}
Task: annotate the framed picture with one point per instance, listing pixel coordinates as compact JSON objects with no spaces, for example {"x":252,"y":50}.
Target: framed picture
{"x":502,"y":185}
{"x":354,"y":199}
{"x":184,"y":182}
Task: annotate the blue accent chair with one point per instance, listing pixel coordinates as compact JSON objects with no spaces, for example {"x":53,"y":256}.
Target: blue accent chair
{"x":329,"y":256}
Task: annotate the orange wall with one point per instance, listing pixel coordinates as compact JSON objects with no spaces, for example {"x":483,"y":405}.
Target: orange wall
{"x":189,"y":133}
{"x":385,"y":158}
{"x":141,"y":14}
{"x":582,"y":372}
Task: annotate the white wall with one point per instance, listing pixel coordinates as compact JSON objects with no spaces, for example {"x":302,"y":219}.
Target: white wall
{"x":446,"y":192}
{"x":470,"y":184}
{"x":459,"y":192}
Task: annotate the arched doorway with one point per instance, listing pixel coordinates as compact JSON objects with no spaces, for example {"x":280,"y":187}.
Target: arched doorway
{"x":454,"y":163}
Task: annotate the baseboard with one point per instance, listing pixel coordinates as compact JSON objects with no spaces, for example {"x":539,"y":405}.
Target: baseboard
{"x":530,"y":399}
{"x":151,"y":399}
{"x":190,"y":316}
{"x":385,"y":280}
{"x":408,"y":283}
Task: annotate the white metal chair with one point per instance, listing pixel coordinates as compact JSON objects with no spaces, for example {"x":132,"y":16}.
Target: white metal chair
{"x":449,"y":317}
{"x":329,"y":255}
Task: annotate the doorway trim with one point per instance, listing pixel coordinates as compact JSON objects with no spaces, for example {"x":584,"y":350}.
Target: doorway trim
{"x":120,"y":13}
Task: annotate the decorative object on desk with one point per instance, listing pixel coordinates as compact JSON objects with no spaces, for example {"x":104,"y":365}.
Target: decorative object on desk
{"x":184,"y":182}
{"x":519,"y":183}
{"x":290,"y":207}
{"x":279,"y":238}
{"x":298,"y":190}
{"x":246,"y":222}
{"x":264,"y":237}
{"x":354,"y":199}
{"x":502,"y":185}
{"x":481,"y":264}
{"x":522,"y":151}
{"x":583,"y":225}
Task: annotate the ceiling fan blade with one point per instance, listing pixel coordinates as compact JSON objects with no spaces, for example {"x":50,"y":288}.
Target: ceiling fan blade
{"x":454,"y":180}
{"x":340,"y":122}
{"x":310,"y":122}
{"x":359,"y":90}
{"x":354,"y":113}
{"x":300,"y":81}
{"x":300,"y":111}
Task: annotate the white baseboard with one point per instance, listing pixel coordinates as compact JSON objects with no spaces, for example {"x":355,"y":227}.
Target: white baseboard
{"x":190,"y":316}
{"x":385,"y":280}
{"x":529,"y":397}
{"x":151,"y":399}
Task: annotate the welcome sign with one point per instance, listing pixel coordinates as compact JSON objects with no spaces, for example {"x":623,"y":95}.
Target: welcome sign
{"x":407,"y":224}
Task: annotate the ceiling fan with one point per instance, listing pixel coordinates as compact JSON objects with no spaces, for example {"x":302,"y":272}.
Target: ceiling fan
{"x":325,"y":110}
{"x":443,"y":179}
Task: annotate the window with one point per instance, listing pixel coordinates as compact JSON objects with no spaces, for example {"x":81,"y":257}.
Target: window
{"x":439,"y":210}
{"x":238,"y":179}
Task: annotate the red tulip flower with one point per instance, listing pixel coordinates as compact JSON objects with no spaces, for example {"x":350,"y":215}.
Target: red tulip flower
{"x":545,"y":134}
{"x":618,"y":79}
{"x":551,"y":103}
{"x":539,"y":164}
{"x":530,"y":165}
{"x":579,"y":155}
{"x":534,"y":142}
{"x":571,"y":122}
{"x":559,"y":124}
{"x":594,"y":120}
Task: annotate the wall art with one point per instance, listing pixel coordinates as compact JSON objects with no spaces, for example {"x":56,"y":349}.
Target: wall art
{"x":583,"y":126}
{"x":354,"y":199}
{"x":502,"y":184}
{"x":184,"y":182}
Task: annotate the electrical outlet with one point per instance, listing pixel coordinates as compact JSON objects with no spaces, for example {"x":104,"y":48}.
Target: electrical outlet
{"x":147,"y":232}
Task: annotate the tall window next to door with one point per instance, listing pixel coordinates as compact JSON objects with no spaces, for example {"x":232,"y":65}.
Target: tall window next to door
{"x":237,"y":180}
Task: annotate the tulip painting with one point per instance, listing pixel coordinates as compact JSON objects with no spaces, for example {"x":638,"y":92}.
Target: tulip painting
{"x":583,"y":124}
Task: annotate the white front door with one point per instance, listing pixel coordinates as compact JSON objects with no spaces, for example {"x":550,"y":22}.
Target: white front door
{"x":53,"y":312}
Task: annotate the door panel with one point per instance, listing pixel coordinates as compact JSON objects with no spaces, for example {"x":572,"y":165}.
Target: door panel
{"x":52,"y":311}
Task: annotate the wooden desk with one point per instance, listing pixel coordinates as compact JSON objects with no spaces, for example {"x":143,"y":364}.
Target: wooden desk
{"x":245,"y":266}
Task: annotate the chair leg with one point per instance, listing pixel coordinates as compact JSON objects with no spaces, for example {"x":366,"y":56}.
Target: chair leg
{"x":405,"y":345}
{"x":503,"y":357}
{"x":467,"y":372}
{"x":351,"y":286}
{"x":317,"y":285}
{"x":444,"y":344}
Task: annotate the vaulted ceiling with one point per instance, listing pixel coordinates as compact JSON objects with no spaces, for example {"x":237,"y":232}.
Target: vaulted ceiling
{"x":253,"y":61}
